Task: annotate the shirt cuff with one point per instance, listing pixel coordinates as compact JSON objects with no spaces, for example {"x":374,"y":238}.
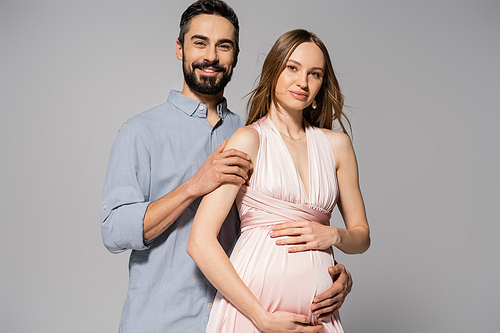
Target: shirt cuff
{"x":129,"y":228}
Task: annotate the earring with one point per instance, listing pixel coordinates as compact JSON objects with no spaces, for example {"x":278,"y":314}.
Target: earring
{"x":314,"y":105}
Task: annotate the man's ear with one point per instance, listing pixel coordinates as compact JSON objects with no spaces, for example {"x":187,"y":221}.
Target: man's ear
{"x":235,"y":59}
{"x":178,"y":49}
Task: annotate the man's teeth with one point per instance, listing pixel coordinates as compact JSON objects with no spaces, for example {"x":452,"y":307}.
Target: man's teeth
{"x":208,"y":70}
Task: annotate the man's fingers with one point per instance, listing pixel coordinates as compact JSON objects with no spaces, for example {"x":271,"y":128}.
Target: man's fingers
{"x":230,"y":178}
{"x":238,"y":172}
{"x":233,"y":161}
{"x":327,"y":311}
{"x":237,"y":161}
{"x":232,"y":170}
{"x":327,"y":307}
{"x":236,"y":153}
{"x":220,"y":149}
{"x":337,"y":269}
{"x":230,"y":157}
{"x":342,"y":276}
{"x":332,"y":299}
{"x":218,"y":168}
{"x":326,"y":298}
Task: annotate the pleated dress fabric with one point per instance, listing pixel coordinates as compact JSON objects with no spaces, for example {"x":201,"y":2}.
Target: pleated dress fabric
{"x":281,"y":281}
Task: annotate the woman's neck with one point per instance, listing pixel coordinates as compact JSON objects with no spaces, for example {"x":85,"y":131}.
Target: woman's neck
{"x":290,"y":124}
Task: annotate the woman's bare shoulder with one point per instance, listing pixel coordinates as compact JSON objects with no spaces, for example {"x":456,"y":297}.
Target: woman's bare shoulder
{"x":245,"y":135}
{"x":338,"y":140}
{"x":342,"y":148}
{"x":247,"y":131}
{"x":245,"y":139}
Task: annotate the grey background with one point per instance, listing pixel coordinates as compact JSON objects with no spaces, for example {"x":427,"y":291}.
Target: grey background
{"x":421,"y":78}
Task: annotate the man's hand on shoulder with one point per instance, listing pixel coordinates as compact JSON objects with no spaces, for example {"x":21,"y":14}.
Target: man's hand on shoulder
{"x":230,"y":166}
{"x":222,"y":166}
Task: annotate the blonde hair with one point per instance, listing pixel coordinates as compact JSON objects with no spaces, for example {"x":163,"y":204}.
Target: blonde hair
{"x":329,"y":99}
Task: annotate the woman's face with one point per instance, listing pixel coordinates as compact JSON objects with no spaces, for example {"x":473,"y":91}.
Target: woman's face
{"x":301,"y":79}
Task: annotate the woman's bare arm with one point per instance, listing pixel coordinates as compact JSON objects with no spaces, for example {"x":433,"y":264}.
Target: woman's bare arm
{"x":355,"y":238}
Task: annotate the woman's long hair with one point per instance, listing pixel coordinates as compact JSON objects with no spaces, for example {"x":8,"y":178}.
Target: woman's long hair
{"x":329,"y":99}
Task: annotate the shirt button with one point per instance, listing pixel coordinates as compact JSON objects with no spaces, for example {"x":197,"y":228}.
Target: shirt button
{"x":201,"y":108}
{"x":105,"y":207}
{"x":209,"y":305}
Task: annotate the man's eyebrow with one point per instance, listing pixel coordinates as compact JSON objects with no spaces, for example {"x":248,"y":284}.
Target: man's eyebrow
{"x":200,"y":37}
{"x":225,"y":40}
{"x":220,"y":41}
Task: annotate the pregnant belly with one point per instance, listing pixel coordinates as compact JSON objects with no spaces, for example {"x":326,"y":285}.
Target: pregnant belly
{"x":280,"y":280}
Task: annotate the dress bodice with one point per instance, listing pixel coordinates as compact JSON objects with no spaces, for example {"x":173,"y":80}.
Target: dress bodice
{"x":275,"y":175}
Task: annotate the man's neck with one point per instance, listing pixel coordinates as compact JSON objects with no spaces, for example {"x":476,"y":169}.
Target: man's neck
{"x":211,"y":101}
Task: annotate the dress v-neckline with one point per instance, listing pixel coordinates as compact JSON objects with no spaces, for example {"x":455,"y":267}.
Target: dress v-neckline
{"x":277,"y":132}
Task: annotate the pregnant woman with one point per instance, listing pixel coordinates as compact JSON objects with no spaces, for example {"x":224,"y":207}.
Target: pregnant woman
{"x":302,"y":169}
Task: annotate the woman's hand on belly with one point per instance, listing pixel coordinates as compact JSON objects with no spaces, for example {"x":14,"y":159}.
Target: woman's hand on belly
{"x":281,"y":322}
{"x":306,"y":235}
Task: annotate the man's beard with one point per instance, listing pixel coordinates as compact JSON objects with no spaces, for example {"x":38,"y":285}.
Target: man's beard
{"x":206,"y":85}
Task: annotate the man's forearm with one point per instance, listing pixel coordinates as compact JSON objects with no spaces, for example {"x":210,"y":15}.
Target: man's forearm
{"x":161,"y":213}
{"x":220,"y":167}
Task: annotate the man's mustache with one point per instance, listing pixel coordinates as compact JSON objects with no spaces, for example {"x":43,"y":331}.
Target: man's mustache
{"x":206,"y":64}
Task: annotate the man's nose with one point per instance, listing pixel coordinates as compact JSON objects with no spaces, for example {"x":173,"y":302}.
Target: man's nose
{"x":211,"y":54}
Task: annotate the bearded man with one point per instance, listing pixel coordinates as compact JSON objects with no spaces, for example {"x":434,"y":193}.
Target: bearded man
{"x":161,"y":164}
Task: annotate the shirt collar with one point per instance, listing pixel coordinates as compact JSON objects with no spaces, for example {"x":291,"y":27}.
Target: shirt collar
{"x":195,"y":108}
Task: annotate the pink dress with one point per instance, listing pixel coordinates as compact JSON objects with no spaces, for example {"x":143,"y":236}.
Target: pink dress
{"x":281,"y":281}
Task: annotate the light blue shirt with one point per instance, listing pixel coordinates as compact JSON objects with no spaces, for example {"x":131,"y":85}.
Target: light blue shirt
{"x":155,"y":152}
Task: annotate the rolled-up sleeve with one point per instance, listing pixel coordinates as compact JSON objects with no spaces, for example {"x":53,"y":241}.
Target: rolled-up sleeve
{"x":126,"y":191}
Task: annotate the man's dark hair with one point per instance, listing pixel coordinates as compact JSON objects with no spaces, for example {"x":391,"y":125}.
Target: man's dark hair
{"x":210,"y":7}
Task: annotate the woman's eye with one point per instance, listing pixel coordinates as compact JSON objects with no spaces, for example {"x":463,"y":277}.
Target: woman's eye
{"x":292,"y":68}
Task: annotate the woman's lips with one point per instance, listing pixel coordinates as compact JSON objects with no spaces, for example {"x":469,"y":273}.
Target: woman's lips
{"x":299,"y":95}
